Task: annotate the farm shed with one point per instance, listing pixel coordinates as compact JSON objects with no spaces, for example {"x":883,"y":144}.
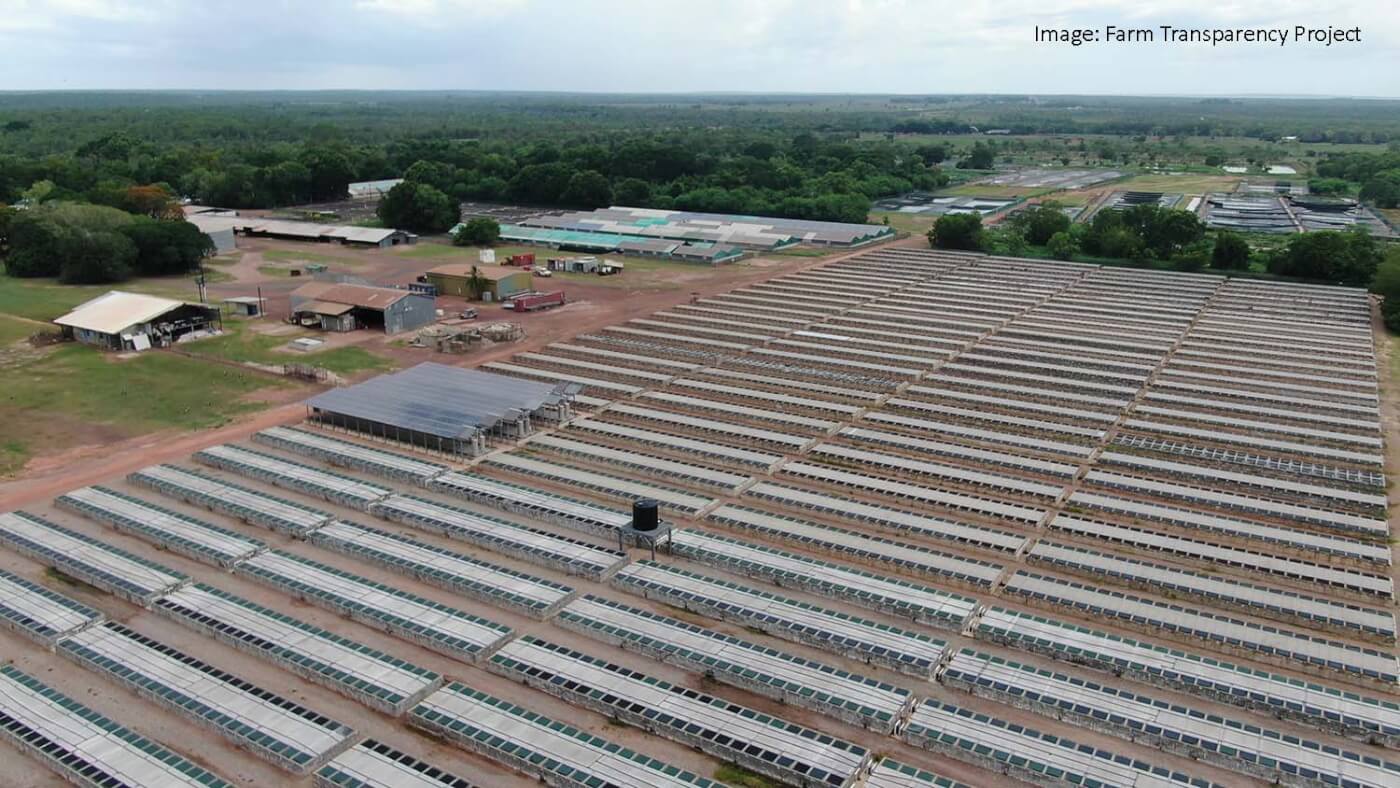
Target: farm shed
{"x":246,"y":306}
{"x":374,"y":236}
{"x":218,"y":228}
{"x":345,"y":307}
{"x":226,"y":227}
{"x":442,"y":408}
{"x":498,"y":282}
{"x":118,"y":320}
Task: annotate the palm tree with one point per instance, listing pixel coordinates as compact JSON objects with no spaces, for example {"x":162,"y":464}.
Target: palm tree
{"x":477,"y":284}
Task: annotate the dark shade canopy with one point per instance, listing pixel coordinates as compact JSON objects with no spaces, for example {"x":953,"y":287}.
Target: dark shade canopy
{"x":448,"y":402}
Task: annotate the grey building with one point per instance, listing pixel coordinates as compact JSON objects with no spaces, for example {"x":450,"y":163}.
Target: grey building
{"x":346,"y":307}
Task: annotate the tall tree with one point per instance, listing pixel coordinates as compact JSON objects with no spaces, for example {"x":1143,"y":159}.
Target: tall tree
{"x":1039,"y":222}
{"x":478,"y":231}
{"x":957,"y":231}
{"x":166,"y":247}
{"x":588,"y":189}
{"x":1231,"y":252}
{"x":418,"y":207}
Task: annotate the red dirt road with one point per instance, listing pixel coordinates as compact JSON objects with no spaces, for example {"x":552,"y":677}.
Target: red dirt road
{"x":593,"y":307}
{"x":46,"y":478}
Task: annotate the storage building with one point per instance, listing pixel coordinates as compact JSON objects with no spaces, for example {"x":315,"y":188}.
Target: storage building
{"x":246,"y":306}
{"x":346,"y":307}
{"x":497,"y":282}
{"x":132,"y":321}
{"x":228,"y":227}
{"x":218,"y":228}
{"x":367,"y":189}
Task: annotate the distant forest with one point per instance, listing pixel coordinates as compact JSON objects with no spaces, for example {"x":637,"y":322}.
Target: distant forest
{"x":823,"y":157}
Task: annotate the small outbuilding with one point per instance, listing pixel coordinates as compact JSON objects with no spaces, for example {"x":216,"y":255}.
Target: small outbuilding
{"x":494,"y":283}
{"x":345,"y":307}
{"x":119,"y":320}
{"x":245,"y":306}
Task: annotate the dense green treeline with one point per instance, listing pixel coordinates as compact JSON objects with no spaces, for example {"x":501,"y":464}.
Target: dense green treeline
{"x":1151,"y":236}
{"x":804,"y":156}
{"x":1378,"y":174}
{"x":802,"y":175}
{"x":81,"y":243}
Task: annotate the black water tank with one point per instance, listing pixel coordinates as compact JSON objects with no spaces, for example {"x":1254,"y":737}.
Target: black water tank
{"x":644,"y":514}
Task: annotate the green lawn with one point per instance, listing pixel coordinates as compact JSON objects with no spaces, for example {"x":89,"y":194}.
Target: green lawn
{"x":64,"y":397}
{"x":241,"y":344}
{"x":149,"y":391}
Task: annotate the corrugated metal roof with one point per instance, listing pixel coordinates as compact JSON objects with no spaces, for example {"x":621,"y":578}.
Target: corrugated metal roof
{"x":448,"y":402}
{"x":116,"y":310}
{"x":493,"y":272}
{"x":366,"y":235}
{"x":324,"y":308}
{"x":354,"y":295}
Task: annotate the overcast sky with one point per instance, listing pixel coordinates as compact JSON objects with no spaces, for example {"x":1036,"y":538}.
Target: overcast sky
{"x":866,"y":46}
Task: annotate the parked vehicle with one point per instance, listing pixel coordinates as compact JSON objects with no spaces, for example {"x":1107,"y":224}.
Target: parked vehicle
{"x":540,"y":270}
{"x":529,"y":302}
{"x":468,"y":314}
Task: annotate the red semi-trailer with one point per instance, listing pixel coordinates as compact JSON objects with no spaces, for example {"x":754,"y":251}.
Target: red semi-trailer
{"x":529,"y":302}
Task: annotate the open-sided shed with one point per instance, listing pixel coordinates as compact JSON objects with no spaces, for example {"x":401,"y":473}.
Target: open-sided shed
{"x":119,"y":320}
{"x":446,"y":409}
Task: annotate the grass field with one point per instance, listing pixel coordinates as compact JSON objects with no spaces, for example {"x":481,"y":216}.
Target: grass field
{"x":228,"y":258}
{"x":75,"y":395}
{"x":239,"y":343}
{"x":13,"y":330}
{"x":1185,"y":183}
{"x":993,"y":190}
{"x":298,"y":256}
{"x":46,"y":299}
{"x":912,"y":223}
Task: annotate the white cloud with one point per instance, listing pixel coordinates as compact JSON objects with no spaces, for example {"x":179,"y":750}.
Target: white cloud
{"x":440,"y":10}
{"x":912,"y":46}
